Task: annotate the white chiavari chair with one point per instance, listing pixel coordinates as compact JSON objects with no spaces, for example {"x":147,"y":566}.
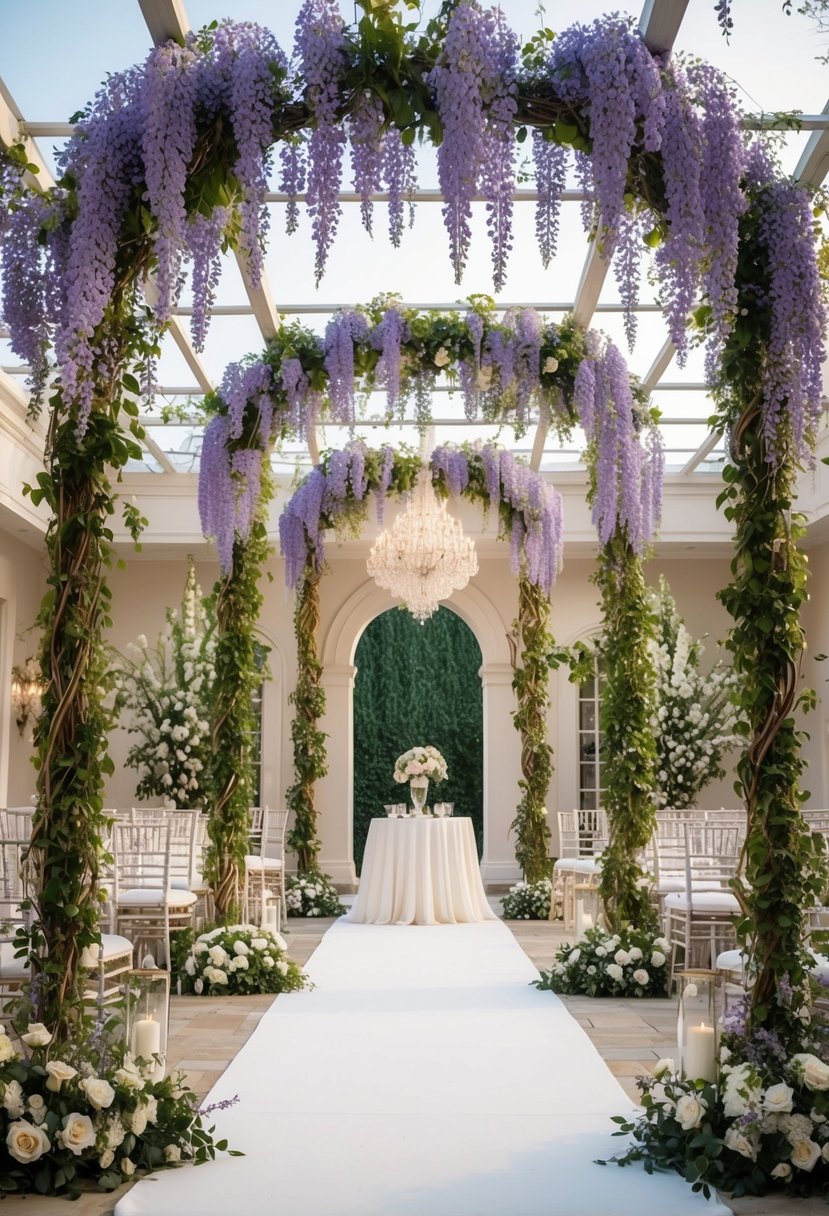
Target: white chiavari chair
{"x":265,"y":864}
{"x":702,"y":915}
{"x":146,"y":905}
{"x":582,"y":836}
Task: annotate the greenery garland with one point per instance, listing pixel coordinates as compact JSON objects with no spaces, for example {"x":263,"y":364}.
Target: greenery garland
{"x":238,"y":601}
{"x":531,"y":686}
{"x":308,"y":700}
{"x":628,"y":747}
{"x":72,"y":733}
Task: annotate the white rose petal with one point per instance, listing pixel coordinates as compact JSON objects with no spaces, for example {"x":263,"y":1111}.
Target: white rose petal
{"x":37,"y":1035}
{"x":778,"y":1099}
{"x":26,"y":1142}
{"x":689,"y":1112}
{"x":805,"y":1154}
{"x":98,"y":1091}
{"x":78,"y":1133}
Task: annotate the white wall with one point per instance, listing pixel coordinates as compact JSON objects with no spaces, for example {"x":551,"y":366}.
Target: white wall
{"x":22,"y":585}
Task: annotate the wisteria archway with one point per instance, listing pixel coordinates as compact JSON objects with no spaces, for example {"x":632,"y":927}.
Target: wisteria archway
{"x":171,"y":160}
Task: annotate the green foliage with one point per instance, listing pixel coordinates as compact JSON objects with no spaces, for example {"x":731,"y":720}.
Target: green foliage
{"x":239,"y":650}
{"x":530,"y":682}
{"x":628,"y":747}
{"x":528,"y":901}
{"x":414,"y":683}
{"x":631,"y":963}
{"x":308,"y":700}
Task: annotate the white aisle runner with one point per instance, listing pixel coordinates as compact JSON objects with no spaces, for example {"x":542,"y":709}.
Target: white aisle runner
{"x":422,"y":1076}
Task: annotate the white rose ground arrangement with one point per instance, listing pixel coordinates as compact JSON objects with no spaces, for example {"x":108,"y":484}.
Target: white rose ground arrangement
{"x":629,"y":963}
{"x":236,"y":959}
{"x":90,"y":1115}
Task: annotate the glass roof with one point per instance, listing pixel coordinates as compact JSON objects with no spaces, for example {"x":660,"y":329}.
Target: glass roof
{"x":771,"y":57}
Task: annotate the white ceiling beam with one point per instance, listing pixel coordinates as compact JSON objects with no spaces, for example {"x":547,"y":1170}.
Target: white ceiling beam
{"x":705,"y":449}
{"x":659,"y":25}
{"x":11,"y":133}
{"x":11,"y":393}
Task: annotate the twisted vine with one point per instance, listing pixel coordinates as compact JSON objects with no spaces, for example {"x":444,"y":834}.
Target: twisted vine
{"x":628,"y":747}
{"x":530,"y":683}
{"x":308,"y":700}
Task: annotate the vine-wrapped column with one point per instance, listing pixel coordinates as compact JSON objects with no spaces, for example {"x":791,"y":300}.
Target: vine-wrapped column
{"x":628,"y":749}
{"x":238,"y":601}
{"x":308,"y":700}
{"x":780,"y":872}
{"x":530,"y":682}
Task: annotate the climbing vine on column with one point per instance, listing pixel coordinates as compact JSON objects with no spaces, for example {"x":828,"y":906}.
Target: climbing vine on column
{"x":530,"y":682}
{"x":308,"y":700}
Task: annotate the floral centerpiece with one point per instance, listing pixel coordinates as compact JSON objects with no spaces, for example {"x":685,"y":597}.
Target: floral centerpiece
{"x":765,"y":1126}
{"x":90,"y":1114}
{"x":529,"y":901}
{"x":168,"y":688}
{"x":312,"y":894}
{"x":237,"y":959}
{"x":420,"y":762}
{"x":629,"y":963}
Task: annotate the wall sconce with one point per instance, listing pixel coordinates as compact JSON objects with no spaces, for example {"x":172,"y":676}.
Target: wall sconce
{"x":27,"y":689}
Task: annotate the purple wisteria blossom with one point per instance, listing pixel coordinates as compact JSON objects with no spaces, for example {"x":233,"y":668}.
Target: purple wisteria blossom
{"x":550,"y":161}
{"x":386,"y":471}
{"x":292,"y":171}
{"x":387,"y":337}
{"x":365,"y":130}
{"x":168,"y":99}
{"x":344,"y":330}
{"x":626,"y":263}
{"x":498,"y":167}
{"x":217,"y":508}
{"x":25,"y":309}
{"x":792,"y":384}
{"x":400,"y":178}
{"x":320,"y":45}
{"x":204,"y":242}
{"x":246,"y":382}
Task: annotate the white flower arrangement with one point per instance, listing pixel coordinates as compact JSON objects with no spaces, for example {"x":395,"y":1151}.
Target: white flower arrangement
{"x":168,"y":689}
{"x":631,"y":963}
{"x":234,"y":959}
{"x":694,"y":719}
{"x":530,"y":901}
{"x":94,"y":1116}
{"x":420,"y":762}
{"x":312,"y":894}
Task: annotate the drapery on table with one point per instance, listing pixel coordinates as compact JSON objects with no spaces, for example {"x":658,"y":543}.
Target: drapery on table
{"x":420,"y":871}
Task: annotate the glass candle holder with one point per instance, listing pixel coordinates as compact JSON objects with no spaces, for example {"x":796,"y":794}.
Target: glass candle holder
{"x":696,"y":1027}
{"x":147,"y":1009}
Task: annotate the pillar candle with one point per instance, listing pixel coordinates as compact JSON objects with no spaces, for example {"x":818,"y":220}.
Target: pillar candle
{"x":700,"y":1058}
{"x":146,"y":1038}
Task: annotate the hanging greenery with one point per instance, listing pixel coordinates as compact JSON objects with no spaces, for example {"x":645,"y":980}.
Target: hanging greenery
{"x":531,"y":685}
{"x":308,"y":700}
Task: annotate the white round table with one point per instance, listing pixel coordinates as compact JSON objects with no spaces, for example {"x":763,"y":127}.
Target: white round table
{"x":420,"y":871}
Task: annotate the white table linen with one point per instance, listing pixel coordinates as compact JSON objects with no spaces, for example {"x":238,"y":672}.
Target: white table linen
{"x":420,"y":871}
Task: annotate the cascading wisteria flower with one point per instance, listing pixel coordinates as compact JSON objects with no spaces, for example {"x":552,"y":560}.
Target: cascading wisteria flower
{"x":622,"y":471}
{"x":320,"y":47}
{"x":387,"y":337}
{"x":366,"y":135}
{"x":25,"y":308}
{"x":498,"y":167}
{"x":792,"y":383}
{"x":550,"y":162}
{"x":292,"y":173}
{"x":400,"y":177}
{"x":626,"y":264}
{"x":204,"y":242}
{"x":342,"y":332}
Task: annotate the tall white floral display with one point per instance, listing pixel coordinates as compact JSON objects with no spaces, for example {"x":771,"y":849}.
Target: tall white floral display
{"x":695,"y":719}
{"x":167,"y":688}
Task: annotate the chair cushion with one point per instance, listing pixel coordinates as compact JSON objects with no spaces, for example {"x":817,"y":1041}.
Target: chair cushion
{"x":676,"y":882}
{"x":736,"y":961}
{"x":254,"y":862}
{"x":185,"y":884}
{"x":155,"y":897}
{"x":716,"y":902}
{"x":113,"y":946}
{"x":578,"y":865}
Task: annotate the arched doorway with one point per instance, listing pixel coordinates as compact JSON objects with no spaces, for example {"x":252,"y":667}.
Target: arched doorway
{"x":417,"y":684}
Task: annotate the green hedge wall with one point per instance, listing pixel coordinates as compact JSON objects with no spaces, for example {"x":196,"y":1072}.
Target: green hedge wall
{"x":417,"y":685}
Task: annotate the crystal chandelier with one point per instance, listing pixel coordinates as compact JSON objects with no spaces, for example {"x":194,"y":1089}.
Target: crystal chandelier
{"x":424,"y":556}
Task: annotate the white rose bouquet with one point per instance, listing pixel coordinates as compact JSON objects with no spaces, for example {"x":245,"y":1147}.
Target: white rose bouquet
{"x":529,"y":901}
{"x":764,"y":1127}
{"x":312,"y":894}
{"x":420,"y":762}
{"x":236,"y":959}
{"x":88,"y":1113}
{"x":168,"y":691}
{"x":630,"y":963}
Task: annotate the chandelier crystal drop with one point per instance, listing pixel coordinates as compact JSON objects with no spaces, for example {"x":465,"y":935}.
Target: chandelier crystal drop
{"x":424,"y":556}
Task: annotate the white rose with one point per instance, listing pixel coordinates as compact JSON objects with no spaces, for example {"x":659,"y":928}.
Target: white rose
{"x":172,"y":1153}
{"x":7,"y":1051}
{"x":280,"y":941}
{"x":635,"y":954}
{"x":78,"y":1133}
{"x":783,"y":1170}
{"x":37,"y":1107}
{"x":640,"y":976}
{"x":689,"y":1111}
{"x":99,"y":1092}
{"x":657,"y":959}
{"x":778,"y":1099}
{"x":127,"y":1167}
{"x":151,"y":1108}
{"x":600,"y":952}
{"x":240,"y":948}
{"x":241,"y":962}
{"x":574,"y":956}
{"x":816,"y":1116}
{"x":550,"y":364}
{"x":138,"y":1120}
{"x":106,"y":1158}
{"x":661,"y":943}
{"x":220,"y":977}
{"x":615,"y":972}
{"x":190,"y":965}
{"x":442,"y":357}
{"x":26,"y":1142}
{"x":738,"y":1143}
{"x":661,"y":1067}
{"x":37,"y":1035}
{"x":13,"y":1099}
{"x":218,"y":956}
{"x":129,"y":1076}
{"x":814,"y":1072}
{"x":621,"y":957}
{"x":805,"y":1154}
{"x":198,"y":987}
{"x":282,"y":966}
{"x":267,"y":962}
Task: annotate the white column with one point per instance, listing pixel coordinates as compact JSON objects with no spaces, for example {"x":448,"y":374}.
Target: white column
{"x":335,"y":791}
{"x":502,"y":770}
